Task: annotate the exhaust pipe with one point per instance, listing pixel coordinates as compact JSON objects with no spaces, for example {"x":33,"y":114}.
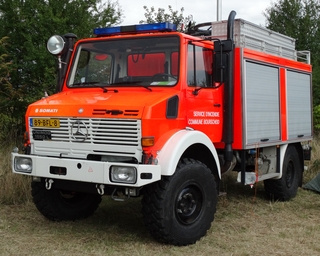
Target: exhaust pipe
{"x":228,"y":126}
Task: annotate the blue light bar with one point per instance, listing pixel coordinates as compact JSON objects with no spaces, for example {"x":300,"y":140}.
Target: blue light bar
{"x":164,"y":26}
{"x":106,"y":31}
{"x":141,"y":28}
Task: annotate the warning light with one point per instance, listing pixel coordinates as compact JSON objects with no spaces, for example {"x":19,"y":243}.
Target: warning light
{"x":141,"y":28}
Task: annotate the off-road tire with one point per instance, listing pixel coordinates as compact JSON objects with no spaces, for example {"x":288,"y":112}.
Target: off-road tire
{"x":179,"y":209}
{"x":286,"y":187}
{"x":56,"y":204}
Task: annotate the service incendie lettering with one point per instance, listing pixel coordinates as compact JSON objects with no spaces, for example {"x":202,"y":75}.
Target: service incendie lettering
{"x":197,"y":120}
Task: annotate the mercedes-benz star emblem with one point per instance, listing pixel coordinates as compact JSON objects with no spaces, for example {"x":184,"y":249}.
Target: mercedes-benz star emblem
{"x":79,"y":131}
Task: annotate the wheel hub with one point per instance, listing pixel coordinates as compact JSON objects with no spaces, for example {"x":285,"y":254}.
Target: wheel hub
{"x":189,"y":205}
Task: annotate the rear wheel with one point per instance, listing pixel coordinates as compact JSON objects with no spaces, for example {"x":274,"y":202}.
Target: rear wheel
{"x":57,"y":204}
{"x":286,"y":187}
{"x":179,"y":209}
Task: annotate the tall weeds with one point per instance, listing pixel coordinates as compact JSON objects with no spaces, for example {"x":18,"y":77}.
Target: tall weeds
{"x":14,"y":188}
{"x":313,"y":166}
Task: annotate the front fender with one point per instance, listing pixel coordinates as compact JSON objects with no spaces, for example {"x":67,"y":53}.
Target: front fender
{"x":177,"y":144}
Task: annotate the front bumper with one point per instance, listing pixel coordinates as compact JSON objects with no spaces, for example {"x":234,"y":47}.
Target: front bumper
{"x":85,"y":171}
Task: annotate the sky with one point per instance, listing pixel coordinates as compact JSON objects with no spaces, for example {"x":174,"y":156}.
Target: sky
{"x":201,"y":10}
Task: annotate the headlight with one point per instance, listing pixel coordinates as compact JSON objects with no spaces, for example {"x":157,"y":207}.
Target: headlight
{"x":23,"y":164}
{"x":55,"y":45}
{"x":123,"y":174}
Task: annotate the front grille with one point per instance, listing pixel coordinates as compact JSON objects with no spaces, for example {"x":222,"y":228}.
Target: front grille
{"x":88,"y":136}
{"x":100,"y":131}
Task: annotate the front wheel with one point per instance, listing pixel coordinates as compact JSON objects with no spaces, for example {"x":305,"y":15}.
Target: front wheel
{"x":57,"y":204}
{"x":286,"y":187}
{"x":179,"y":209}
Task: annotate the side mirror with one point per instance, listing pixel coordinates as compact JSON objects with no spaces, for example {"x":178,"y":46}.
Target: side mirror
{"x":221,"y":53}
{"x":220,"y":67}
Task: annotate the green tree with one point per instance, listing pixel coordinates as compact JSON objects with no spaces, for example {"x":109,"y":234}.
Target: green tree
{"x":28,"y":24}
{"x":299,"y":19}
{"x":5,"y":69}
{"x":153,"y":16}
{"x":6,"y":90}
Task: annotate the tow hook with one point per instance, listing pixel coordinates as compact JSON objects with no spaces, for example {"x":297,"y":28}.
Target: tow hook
{"x":115,"y":196}
{"x":100,"y":189}
{"x":49,"y":183}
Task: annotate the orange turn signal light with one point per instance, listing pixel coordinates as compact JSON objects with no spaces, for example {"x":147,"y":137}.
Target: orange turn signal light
{"x":147,"y":141}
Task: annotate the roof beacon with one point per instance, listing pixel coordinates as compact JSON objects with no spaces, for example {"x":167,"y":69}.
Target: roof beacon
{"x":141,"y":28}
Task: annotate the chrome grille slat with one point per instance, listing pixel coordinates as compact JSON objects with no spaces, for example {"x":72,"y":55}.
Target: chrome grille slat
{"x":104,"y":135}
{"x":99,"y":131}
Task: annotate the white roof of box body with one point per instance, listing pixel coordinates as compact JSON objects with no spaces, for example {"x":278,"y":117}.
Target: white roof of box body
{"x":249,"y":35}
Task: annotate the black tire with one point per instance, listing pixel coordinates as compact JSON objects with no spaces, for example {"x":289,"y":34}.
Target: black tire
{"x":287,"y":186}
{"x":179,"y":209}
{"x":57,"y":204}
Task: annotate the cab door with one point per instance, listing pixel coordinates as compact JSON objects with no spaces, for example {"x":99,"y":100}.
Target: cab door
{"x":204,"y":100}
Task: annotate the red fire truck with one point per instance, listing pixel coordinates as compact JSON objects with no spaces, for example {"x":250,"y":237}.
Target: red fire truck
{"x":145,"y":110}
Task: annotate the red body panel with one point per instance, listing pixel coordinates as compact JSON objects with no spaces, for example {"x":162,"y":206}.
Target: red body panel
{"x":201,"y":109}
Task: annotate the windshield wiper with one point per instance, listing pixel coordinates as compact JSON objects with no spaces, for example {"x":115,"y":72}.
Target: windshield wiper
{"x":105,"y":89}
{"x":148,"y":88}
{"x":124,"y":84}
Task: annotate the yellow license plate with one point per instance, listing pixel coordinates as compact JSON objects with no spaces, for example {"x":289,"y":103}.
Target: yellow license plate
{"x":45,"y":122}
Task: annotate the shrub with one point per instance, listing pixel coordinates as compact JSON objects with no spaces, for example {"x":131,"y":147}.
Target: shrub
{"x":14,"y":188}
{"x":316,"y":118}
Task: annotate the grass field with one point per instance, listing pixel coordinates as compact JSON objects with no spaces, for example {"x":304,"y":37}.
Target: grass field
{"x":246,"y":223}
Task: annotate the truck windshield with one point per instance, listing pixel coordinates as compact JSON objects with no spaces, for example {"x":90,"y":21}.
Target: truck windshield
{"x":151,"y":61}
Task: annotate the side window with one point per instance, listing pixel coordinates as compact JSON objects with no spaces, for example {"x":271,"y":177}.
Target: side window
{"x":199,"y":66}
